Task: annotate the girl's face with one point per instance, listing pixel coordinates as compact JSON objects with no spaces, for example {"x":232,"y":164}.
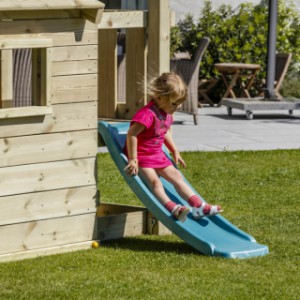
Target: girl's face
{"x":167,"y":106}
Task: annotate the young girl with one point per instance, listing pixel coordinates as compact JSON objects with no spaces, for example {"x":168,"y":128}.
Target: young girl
{"x":149,"y":130}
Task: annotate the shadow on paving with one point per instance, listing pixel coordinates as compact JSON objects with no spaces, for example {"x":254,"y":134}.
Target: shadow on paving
{"x":259,"y":116}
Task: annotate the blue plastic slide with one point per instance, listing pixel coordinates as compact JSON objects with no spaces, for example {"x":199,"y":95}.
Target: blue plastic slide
{"x":213,"y":236}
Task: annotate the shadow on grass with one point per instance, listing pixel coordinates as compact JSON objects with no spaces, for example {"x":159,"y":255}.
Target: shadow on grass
{"x":144,"y":244}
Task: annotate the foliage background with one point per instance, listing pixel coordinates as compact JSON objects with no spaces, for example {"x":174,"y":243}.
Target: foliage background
{"x":240,"y":35}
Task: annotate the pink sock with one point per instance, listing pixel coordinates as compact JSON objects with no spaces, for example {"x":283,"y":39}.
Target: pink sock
{"x":170,"y":205}
{"x":194,"y":201}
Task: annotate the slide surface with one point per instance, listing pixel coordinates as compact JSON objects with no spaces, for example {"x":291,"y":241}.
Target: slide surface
{"x":214,"y":236}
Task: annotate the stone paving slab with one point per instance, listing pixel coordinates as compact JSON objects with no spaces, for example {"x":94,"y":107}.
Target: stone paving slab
{"x":219,"y":132}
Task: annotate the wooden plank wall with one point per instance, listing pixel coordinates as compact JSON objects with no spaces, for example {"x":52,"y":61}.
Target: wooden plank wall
{"x":48,"y":193}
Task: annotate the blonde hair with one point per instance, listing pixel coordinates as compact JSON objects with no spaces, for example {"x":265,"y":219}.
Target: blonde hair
{"x":168,"y":85}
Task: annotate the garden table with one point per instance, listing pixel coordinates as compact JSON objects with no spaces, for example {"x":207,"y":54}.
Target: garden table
{"x":237,"y":75}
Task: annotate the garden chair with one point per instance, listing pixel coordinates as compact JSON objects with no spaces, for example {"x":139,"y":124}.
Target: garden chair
{"x":283,"y":61}
{"x":189,"y":70}
{"x":205,"y":86}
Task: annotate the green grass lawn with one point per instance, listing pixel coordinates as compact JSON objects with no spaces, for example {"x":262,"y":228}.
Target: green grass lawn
{"x":260,"y":192}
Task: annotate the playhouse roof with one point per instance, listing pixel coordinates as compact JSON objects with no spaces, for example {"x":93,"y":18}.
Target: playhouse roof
{"x":12,"y":5}
{"x":91,"y":9}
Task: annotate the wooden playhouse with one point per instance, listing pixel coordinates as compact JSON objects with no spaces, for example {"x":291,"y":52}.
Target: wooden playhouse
{"x":58,"y":75}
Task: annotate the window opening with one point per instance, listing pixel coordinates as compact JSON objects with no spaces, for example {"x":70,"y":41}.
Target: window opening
{"x":24,"y":74}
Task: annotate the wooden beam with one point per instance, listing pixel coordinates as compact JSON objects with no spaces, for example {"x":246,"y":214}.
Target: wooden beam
{"x":46,"y":76}
{"x":158,"y":37}
{"x":60,"y":39}
{"x":46,"y":27}
{"x":41,"y":14}
{"x":92,"y":15}
{"x":27,"y":111}
{"x":6,"y":79}
{"x":107,"y":76}
{"x":123,"y":19}
{"x":18,"y":5}
{"x":23,"y":43}
{"x":136,"y":76}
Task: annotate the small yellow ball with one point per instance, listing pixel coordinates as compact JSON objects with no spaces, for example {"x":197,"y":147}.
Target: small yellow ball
{"x":95,"y":244}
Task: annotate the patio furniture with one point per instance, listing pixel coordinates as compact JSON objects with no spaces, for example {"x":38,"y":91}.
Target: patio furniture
{"x":189,"y":70}
{"x":283,"y":61}
{"x":205,"y":86}
{"x":237,"y":75}
{"x":181,"y":55}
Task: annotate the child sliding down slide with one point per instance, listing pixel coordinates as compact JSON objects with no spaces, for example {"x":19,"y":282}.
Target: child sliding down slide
{"x":149,"y":130}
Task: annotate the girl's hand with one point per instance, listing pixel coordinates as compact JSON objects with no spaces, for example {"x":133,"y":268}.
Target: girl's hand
{"x":132,"y":168}
{"x":178,"y":159}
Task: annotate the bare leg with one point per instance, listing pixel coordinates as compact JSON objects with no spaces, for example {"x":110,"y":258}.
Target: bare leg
{"x":199,"y":208}
{"x":155,"y":184}
{"x":171,"y":174}
{"x":153,"y":181}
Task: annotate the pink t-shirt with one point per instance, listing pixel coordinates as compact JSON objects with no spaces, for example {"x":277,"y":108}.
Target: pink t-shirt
{"x":150,"y":141}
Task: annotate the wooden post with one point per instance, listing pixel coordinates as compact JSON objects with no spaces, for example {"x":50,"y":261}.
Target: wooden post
{"x":107,"y":68}
{"x":158,"y":37}
{"x":6,"y":79}
{"x":136,"y":76}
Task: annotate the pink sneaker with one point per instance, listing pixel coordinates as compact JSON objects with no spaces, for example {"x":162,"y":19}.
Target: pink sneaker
{"x":199,"y":212}
{"x":180,"y":212}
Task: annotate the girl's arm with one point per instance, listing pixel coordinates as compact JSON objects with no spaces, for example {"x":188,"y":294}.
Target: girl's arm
{"x":169,"y":142}
{"x":131,"y":140}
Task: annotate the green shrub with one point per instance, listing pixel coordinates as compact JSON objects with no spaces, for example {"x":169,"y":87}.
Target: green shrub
{"x":239,"y":35}
{"x":291,"y":88}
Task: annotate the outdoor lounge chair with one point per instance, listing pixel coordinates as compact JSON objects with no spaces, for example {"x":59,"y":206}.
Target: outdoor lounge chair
{"x":283,"y":61}
{"x":189,"y":70}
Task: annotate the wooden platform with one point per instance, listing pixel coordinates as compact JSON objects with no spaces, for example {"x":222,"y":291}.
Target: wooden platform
{"x":255,"y":104}
{"x":116,"y":221}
